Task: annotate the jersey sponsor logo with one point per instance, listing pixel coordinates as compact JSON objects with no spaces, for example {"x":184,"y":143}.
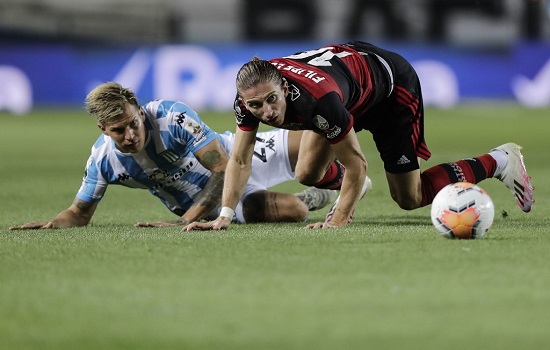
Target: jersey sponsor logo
{"x":259,"y":151}
{"x":180,"y":119}
{"x":123,"y":177}
{"x":294,"y":92}
{"x":320,"y":122}
{"x":403,"y":160}
{"x":163,"y":177}
{"x":334,"y":132}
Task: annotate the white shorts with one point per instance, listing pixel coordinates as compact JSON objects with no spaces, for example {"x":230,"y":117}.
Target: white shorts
{"x":270,"y":163}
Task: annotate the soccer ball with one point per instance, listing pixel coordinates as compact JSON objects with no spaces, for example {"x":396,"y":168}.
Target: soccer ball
{"x":462,"y":210}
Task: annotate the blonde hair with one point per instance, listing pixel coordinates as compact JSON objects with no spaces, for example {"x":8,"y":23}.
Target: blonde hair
{"x":255,"y":72}
{"x":107,"y":102}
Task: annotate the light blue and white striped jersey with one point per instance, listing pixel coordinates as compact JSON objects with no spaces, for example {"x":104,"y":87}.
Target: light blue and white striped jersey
{"x":166,"y":166}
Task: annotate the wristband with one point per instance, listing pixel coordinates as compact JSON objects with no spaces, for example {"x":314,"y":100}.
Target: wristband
{"x":227,"y":212}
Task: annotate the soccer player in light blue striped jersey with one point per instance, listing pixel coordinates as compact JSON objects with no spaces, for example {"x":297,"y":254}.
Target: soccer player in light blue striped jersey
{"x":166,"y":148}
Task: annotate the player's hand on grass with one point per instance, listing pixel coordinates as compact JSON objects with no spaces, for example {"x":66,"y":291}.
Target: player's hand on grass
{"x":221,"y":223}
{"x":320,"y":225}
{"x":36,"y":225}
{"x":161,"y":223}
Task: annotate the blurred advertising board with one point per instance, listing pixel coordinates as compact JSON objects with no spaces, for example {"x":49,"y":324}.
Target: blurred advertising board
{"x":204,"y":75}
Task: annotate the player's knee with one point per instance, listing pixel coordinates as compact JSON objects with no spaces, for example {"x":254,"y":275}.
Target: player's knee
{"x":298,"y":212}
{"x":260,"y":207}
{"x":306,"y":177}
{"x":407,"y":202}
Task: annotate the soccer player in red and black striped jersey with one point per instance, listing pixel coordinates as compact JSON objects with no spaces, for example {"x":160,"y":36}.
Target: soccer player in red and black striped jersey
{"x":333,"y":93}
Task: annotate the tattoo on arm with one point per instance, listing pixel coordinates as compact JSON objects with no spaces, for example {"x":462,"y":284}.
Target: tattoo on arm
{"x":211,"y":194}
{"x":211,"y":158}
{"x":81,"y":204}
{"x":180,"y":221}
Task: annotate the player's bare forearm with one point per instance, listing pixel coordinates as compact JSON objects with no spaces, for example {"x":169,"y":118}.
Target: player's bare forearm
{"x":78,"y":214}
{"x":350,"y":155}
{"x":239,"y":167}
{"x":235,"y":182}
{"x":208,"y":199}
{"x":349,"y":196}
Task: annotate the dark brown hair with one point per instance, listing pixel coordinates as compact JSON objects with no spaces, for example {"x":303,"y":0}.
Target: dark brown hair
{"x":255,"y":72}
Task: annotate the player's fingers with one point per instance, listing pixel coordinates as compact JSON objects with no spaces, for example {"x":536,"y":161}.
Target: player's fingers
{"x":193,"y":226}
{"x":151,"y":224}
{"x":29,"y":226}
{"x":316,"y":225}
{"x":49,"y":224}
{"x":147,"y":224}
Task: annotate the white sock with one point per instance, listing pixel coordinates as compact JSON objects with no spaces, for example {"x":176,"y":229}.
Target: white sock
{"x":501,"y":159}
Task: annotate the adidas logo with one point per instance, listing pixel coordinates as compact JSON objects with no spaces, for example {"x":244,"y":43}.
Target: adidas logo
{"x":519,"y":190}
{"x":403,"y":160}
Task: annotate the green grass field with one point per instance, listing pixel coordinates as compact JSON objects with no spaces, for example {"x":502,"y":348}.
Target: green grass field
{"x":388,"y":281}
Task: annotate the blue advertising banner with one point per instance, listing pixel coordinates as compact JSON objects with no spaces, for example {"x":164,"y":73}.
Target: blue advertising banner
{"x":204,"y":75}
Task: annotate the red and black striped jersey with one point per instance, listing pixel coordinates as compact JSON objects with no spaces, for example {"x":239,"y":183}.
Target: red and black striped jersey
{"x":328,"y":88}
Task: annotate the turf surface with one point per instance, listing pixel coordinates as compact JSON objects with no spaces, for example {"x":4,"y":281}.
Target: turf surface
{"x":388,"y":281}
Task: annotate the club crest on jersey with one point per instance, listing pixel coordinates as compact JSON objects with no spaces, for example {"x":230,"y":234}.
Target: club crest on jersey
{"x":159,"y":175}
{"x":239,"y":113}
{"x":294,"y":92}
{"x":320,"y":122}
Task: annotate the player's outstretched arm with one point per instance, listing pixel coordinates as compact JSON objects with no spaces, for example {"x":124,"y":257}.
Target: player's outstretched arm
{"x":78,"y":214}
{"x":214,"y":158}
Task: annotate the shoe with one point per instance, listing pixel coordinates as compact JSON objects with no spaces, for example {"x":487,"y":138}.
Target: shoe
{"x":514,"y":176}
{"x":367,"y":186}
{"x":317,"y":198}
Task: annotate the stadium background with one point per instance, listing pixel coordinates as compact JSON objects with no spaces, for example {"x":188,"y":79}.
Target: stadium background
{"x":388,"y":281}
{"x":53,"y":51}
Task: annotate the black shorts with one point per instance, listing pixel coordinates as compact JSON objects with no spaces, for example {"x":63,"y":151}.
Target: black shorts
{"x":396,"y":116}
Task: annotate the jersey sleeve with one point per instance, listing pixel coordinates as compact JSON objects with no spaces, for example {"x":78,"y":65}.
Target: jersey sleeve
{"x":331,"y":118}
{"x":246,"y":121}
{"x":93,"y":185}
{"x":184,"y":124}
